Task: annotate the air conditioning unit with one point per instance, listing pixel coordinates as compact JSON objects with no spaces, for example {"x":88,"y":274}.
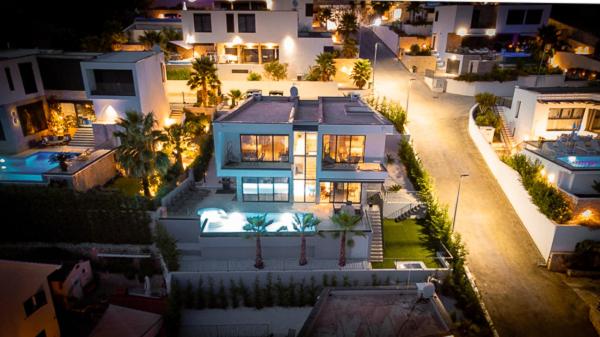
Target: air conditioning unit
{"x":425,"y":290}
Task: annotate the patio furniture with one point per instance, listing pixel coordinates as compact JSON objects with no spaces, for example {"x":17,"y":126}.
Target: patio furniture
{"x":275,"y":93}
{"x":55,"y":140}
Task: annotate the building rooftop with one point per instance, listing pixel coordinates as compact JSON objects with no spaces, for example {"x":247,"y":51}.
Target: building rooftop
{"x":564,"y":90}
{"x":125,"y":322}
{"x":325,"y":110}
{"x":123,"y":56}
{"x":375,"y":312}
{"x":17,"y":53}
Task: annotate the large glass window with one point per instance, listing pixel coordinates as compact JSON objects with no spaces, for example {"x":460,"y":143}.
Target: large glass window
{"x":534,"y":17}
{"x":565,"y":119}
{"x":27,"y":77}
{"x":343,"y":149}
{"x":594,"y":121}
{"x":230,"y":25}
{"x":32,"y":118}
{"x":515,"y":17}
{"x":271,"y":148}
{"x":340,"y":192}
{"x":250,"y":54}
{"x":265,"y":189}
{"x":269,"y":53}
{"x":246,"y":23}
{"x":305,"y":166}
{"x":202,"y":23}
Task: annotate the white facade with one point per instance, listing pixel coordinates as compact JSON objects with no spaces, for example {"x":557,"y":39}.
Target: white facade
{"x":456,"y":20}
{"x":134,"y":81}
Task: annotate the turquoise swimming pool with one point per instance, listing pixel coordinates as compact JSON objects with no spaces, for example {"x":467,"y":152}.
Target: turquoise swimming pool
{"x":220,"y":221}
{"x":26,"y":169}
{"x":591,"y":162}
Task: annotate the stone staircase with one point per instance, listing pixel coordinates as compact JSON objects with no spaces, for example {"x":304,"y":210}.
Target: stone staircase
{"x":83,"y":137}
{"x":176,"y":116}
{"x":376,"y":252}
{"x":408,"y":211}
{"x":507,"y":137}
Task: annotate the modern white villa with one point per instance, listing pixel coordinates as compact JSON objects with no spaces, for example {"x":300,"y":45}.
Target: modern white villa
{"x":241,"y":40}
{"x":478,"y":25}
{"x":282,"y":149}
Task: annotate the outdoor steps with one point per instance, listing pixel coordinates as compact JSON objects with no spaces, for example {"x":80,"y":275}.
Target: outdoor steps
{"x":376,"y":250}
{"x":507,"y":137}
{"x":176,"y":116}
{"x":83,"y":137}
{"x":410,"y":211}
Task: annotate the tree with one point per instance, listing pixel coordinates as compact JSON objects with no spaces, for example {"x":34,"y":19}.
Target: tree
{"x":361,"y":72}
{"x":380,"y":7}
{"x":204,"y":76}
{"x":62,"y":159}
{"x":413,"y":8}
{"x":325,"y":66}
{"x":304,"y":223}
{"x":323,"y":15}
{"x":234,"y":95}
{"x":349,"y":48}
{"x":347,"y":25}
{"x":346,"y":223}
{"x":258,"y":226}
{"x":137,"y":154}
{"x":177,"y":138}
{"x":275,"y":70}
{"x":150,"y":38}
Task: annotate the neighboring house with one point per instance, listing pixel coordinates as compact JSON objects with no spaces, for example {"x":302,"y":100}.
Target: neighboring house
{"x":483,"y":25}
{"x":70,"y":280}
{"x":27,"y":307}
{"x":582,"y":42}
{"x":282,"y":149}
{"x":156,"y":24}
{"x":242,"y":40}
{"x":118,"y":82}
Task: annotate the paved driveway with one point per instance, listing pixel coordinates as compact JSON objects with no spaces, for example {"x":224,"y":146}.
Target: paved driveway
{"x":523,"y":299}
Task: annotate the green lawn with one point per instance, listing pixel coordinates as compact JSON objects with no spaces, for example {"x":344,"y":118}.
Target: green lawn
{"x":401,"y":242}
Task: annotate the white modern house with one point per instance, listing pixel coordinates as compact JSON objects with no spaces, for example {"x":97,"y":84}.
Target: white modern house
{"x":454,"y":25}
{"x":118,"y":82}
{"x":240,"y":41}
{"x":282,"y":149}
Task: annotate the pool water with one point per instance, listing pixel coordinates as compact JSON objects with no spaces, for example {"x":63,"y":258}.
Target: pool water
{"x":220,"y":221}
{"x":581,"y":161}
{"x":26,"y":169}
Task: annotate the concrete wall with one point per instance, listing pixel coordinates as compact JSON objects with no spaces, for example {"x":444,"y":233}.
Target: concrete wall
{"x":96,"y":173}
{"x":547,"y":235}
{"x":150,"y":80}
{"x":473,"y":88}
{"x":567,"y":60}
{"x":405,"y":42}
{"x":18,"y":94}
{"x":421,"y":30}
{"x":422,"y":63}
{"x":388,"y":36}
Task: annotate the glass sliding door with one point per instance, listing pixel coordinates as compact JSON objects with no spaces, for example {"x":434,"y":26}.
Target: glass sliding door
{"x":265,"y":189}
{"x":267,"y":148}
{"x":305,"y":166}
{"x":340,"y":192}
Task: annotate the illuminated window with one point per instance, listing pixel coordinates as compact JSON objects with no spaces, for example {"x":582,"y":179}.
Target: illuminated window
{"x":565,"y":119}
{"x":343,"y":149}
{"x":265,"y":189}
{"x":594,"y":123}
{"x":340,"y":192}
{"x":269,"y":148}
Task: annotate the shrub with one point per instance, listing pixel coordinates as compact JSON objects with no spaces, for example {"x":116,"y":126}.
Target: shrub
{"x":587,"y":256}
{"x":361,"y":73}
{"x":167,"y":246}
{"x":252,"y":76}
{"x":549,"y":200}
{"x":172,"y":314}
{"x":392,"y":111}
{"x":178,"y":73}
{"x":276,"y":71}
{"x":200,"y":164}
{"x":416,"y":50}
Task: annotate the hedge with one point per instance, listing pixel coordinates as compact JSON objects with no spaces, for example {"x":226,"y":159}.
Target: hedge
{"x":549,"y":200}
{"x":200,"y":164}
{"x":41,"y":213}
{"x":167,"y":246}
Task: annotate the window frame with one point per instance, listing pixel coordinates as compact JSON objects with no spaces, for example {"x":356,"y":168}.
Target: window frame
{"x":200,"y":25}
{"x":332,"y":194}
{"x":272,"y":147}
{"x":336,"y":160}
{"x":243,"y":23}
{"x":230,"y":22}
{"x":28,"y":77}
{"x":593,"y":114}
{"x":9,"y":79}
{"x":257,"y":181}
{"x":560,"y":117}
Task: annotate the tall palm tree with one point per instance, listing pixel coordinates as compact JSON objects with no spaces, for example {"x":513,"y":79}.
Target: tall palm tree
{"x":348,"y":24}
{"x":177,"y":138}
{"x":346,"y":223}
{"x":204,"y":76}
{"x":137,"y":153}
{"x":304,"y":223}
{"x":349,"y":48}
{"x":325,"y":66}
{"x":234,"y":95}
{"x":361,"y":73}
{"x":257,"y":225}
{"x":150,"y":38}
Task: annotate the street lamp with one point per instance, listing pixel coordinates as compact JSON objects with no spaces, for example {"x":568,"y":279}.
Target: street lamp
{"x":374,"y":64}
{"x":457,"y":197}
{"x":410,"y":80}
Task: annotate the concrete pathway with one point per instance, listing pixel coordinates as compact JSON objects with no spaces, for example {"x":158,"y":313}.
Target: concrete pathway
{"x":523,"y":299}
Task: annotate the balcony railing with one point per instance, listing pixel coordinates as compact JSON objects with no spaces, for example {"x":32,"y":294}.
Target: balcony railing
{"x":114,"y":89}
{"x":359,"y":167}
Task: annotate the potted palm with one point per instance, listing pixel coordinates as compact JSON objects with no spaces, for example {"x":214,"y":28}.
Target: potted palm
{"x":304,"y":223}
{"x":257,"y":226}
{"x":347,"y":224}
{"x":62,"y":159}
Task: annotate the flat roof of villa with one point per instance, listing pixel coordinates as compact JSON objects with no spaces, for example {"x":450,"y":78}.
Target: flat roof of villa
{"x":375,"y":312}
{"x":565,"y":90}
{"x":123,"y":56}
{"x":325,"y":110}
{"x":47,"y":53}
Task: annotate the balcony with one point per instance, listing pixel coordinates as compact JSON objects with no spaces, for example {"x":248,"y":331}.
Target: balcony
{"x":113,"y":89}
{"x":358,"y":167}
{"x":257,"y":165}
{"x":354,"y":171}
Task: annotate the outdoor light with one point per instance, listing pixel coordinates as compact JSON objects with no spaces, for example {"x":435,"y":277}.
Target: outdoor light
{"x":190,"y":39}
{"x":572,"y":159}
{"x":461,"y":32}
{"x":490,"y":32}
{"x":551,"y":178}
{"x":288,"y":44}
{"x":2,"y":160}
{"x":110,"y":115}
{"x":237,"y":40}
{"x":377,"y":22}
{"x":169,"y":121}
{"x":586,"y":214}
{"x":543,"y":172}
{"x":453,"y":57}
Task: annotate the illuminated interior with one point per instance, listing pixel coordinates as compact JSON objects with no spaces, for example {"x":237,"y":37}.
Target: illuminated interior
{"x":265,"y":189}
{"x":305,"y":166}
{"x":269,"y":148}
{"x":343,"y":149}
{"x":340,"y":192}
{"x":247,"y":53}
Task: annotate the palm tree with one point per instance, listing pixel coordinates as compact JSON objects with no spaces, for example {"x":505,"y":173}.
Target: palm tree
{"x":323,"y":15}
{"x":325,"y":66}
{"x":234,"y":95}
{"x":258,"y":225}
{"x":177,"y":138}
{"x":195,"y":125}
{"x":150,"y":38}
{"x":304,"y":223}
{"x":349,"y":48}
{"x":204,"y":76}
{"x":361,"y":73}
{"x":137,"y":153}
{"x":347,"y":25}
{"x":347,"y":223}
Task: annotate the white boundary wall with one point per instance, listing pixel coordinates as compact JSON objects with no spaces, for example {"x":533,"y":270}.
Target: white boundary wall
{"x":547,"y":235}
{"x":465,"y":88}
{"x":388,"y":36}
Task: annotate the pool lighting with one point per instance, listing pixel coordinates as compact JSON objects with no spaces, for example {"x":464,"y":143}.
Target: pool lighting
{"x":572,"y":159}
{"x":3,"y":167}
{"x":2,"y":160}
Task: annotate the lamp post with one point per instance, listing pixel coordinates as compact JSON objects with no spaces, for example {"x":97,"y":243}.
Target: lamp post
{"x":410,"y":80}
{"x":457,"y":198}
{"x":374,"y":64}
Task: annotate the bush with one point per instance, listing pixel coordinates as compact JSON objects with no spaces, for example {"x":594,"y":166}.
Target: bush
{"x":549,"y":200}
{"x":587,"y":256}
{"x":416,"y":50}
{"x":392,"y":111}
{"x":178,"y":73}
{"x":252,"y":76}
{"x":276,"y":71}
{"x":200,"y":164}
{"x":49,"y":214}
{"x":167,"y":246}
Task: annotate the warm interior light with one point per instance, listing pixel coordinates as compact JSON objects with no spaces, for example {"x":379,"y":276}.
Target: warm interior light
{"x":543,"y":172}
{"x":461,"y":31}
